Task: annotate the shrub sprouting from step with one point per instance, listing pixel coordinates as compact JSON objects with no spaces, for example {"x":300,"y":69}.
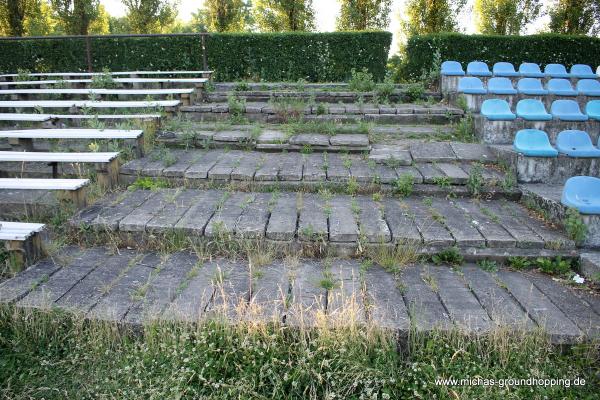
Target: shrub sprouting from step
{"x":464,"y":130}
{"x":450,"y":256}
{"x":415,"y":91}
{"x":575,"y":227}
{"x":237,"y":106}
{"x":518,"y":263}
{"x":488,"y":265}
{"x":361,"y":81}
{"x":148,"y":183}
{"x":475,"y":180}
{"x":242,"y":86}
{"x":403,"y":185}
{"x":384,"y":91}
{"x":556,"y":266}
{"x":103,"y":81}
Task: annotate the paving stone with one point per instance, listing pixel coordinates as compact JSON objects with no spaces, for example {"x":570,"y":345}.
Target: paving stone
{"x":495,"y":235}
{"x":344,"y":300}
{"x":204,"y":136}
{"x":271,"y":136}
{"x":349,"y":140}
{"x":125,"y":292}
{"x":401,"y":222}
{"x":86,"y":216}
{"x":463,"y":307}
{"x":590,"y":264}
{"x":314,"y":169}
{"x":194,"y":295}
{"x":372,"y":225}
{"x":464,"y":233}
{"x":432,"y":151}
{"x":86,"y":293}
{"x":200,"y":212}
{"x":309,"y":139}
{"x":472,"y":152}
{"x":284,"y":214}
{"x":291,"y":167}
{"x":573,"y":307}
{"x":232,"y":290}
{"x":169,"y":215}
{"x":246,"y":167}
{"x":224,"y":219}
{"x":432,"y":230}
{"x":136,"y":221}
{"x":405,"y":109}
{"x":253,"y":221}
{"x":307,"y":294}
{"x":109,"y":217}
{"x":232,"y":136}
{"x":77,"y":267}
{"x":270,"y":291}
{"x":199,"y":169}
{"x":385,"y":174}
{"x":361,"y":171}
{"x":312,"y":222}
{"x":429,"y":173}
{"x":539,"y":307}
{"x":133,"y":167}
{"x":184,"y":161}
{"x":162,"y":289}
{"x":336,"y":109}
{"x":155,"y":164}
{"x":336,"y":170}
{"x":524,"y":236}
{"x":269,"y":168}
{"x":226,"y":164}
{"x":499,"y":304}
{"x":414,"y":172}
{"x":18,"y":287}
{"x":422,"y":302}
{"x":456,"y":175}
{"x":389,"y":153}
{"x":342,"y":224}
{"x":252,"y":108}
{"x":385,"y":306}
{"x":387,"y":110}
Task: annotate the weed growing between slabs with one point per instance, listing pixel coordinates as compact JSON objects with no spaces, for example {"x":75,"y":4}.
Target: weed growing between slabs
{"x":48,"y":354}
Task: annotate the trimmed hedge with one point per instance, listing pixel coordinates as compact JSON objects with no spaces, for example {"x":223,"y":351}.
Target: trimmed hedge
{"x":317,"y":57}
{"x":542,"y":49}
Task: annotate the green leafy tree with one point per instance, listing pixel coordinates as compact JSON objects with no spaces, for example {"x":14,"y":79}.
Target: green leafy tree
{"x":41,"y":22}
{"x":575,"y":17}
{"x":13,"y":15}
{"x":361,"y":15}
{"x":223,"y":15}
{"x":431,"y":16}
{"x":505,"y":17}
{"x":284,"y":15}
{"x":75,"y":16}
{"x":118,"y":25}
{"x":150,"y":16}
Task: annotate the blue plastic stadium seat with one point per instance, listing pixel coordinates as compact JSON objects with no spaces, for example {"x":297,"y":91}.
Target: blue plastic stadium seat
{"x":592,"y":109}
{"x":556,"y":71}
{"x":532,"y":110}
{"x":531,"y":87}
{"x":471,"y":85}
{"x":567,"y":110}
{"x":497,"y":110}
{"x":576,"y":144}
{"x":478,"y":68}
{"x":583,"y":71}
{"x":561,"y":87}
{"x":504,"y":69}
{"x":530,"y":70}
{"x":452,"y":68}
{"x":583,"y":194}
{"x":501,"y":86}
{"x":588,"y":87}
{"x":534,"y":143}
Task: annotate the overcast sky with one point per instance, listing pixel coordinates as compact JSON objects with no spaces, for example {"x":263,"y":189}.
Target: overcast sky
{"x":326,"y":13}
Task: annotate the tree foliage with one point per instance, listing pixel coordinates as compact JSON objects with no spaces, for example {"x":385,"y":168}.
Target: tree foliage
{"x":75,"y":16}
{"x":362,"y":15}
{"x":505,"y":17}
{"x":150,"y":16}
{"x":13,"y":15}
{"x":431,"y":16}
{"x":284,"y":15}
{"x":223,"y":15}
{"x":578,"y":17}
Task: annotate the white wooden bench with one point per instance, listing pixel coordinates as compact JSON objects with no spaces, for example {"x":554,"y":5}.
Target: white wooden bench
{"x":24,"y":138}
{"x":169,"y":105}
{"x":72,"y":190}
{"x":106,"y":164}
{"x":203,"y":74}
{"x":135,"y":82}
{"x":22,"y":242}
{"x":185,"y":95}
{"x":24,"y":117}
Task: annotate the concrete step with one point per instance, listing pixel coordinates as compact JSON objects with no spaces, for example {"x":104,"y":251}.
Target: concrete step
{"x":329,"y":96}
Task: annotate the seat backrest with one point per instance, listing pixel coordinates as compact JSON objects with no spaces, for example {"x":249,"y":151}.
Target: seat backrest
{"x":477,"y":67}
{"x":573,"y":138}
{"x":588,"y":84}
{"x":557,"y":70}
{"x":530,"y":106}
{"x":593,"y":107}
{"x":529,"y":68}
{"x":559,"y":84}
{"x":495,"y":106}
{"x":452,"y":68}
{"x":532,"y":138}
{"x":502,"y":66}
{"x":584,"y":186}
{"x":499,"y":83}
{"x":565,"y":107}
{"x":581,"y":69}
{"x":530,"y":84}
{"x":470,"y":82}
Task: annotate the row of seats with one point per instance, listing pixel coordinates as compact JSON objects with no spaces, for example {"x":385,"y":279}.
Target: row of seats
{"x":529,"y":70}
{"x":529,"y":86}
{"x":573,"y":143}
{"x":534,"y":110}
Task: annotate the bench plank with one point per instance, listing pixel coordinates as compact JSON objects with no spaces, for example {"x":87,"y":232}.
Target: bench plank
{"x":116,"y":73}
{"x":42,"y":184}
{"x":98,"y":91}
{"x":196,"y":81}
{"x":24,"y":117}
{"x":87,"y":103}
{"x":18,"y":230}
{"x":72,"y":134}
{"x":25,"y":156}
